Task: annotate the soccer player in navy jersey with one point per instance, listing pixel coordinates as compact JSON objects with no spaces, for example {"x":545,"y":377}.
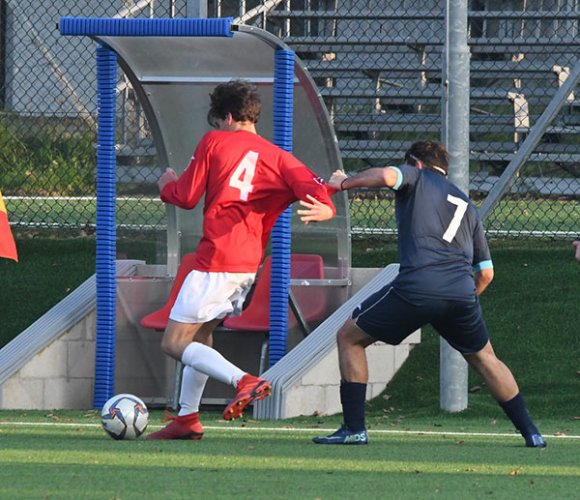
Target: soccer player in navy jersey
{"x":247,"y":182}
{"x":445,"y":264}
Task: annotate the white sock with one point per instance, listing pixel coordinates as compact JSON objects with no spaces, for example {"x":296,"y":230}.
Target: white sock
{"x":207,"y":360}
{"x":192,"y":386}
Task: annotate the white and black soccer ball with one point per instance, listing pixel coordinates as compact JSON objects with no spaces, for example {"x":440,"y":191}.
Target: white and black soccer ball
{"x":124,"y":416}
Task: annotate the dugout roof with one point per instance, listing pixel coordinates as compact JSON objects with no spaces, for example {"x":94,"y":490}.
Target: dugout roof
{"x":173,"y":77}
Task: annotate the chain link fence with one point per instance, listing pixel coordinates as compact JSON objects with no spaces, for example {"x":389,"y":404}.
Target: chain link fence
{"x":378,"y":66}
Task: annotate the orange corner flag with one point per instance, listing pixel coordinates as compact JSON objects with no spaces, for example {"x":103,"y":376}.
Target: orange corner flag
{"x":7,"y":245}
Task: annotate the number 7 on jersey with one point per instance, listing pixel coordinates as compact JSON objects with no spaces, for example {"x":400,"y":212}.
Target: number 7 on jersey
{"x":461,"y":207}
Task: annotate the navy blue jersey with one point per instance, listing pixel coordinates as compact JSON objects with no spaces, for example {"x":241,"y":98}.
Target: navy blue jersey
{"x":441,"y":238}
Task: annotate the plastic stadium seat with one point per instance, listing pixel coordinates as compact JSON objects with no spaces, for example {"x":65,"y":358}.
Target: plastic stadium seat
{"x":310,"y":301}
{"x":157,"y":320}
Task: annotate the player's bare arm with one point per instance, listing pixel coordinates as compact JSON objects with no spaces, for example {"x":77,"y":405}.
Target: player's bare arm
{"x":576,"y":244}
{"x":482,"y":279}
{"x":168,"y":176}
{"x":372,"y":177}
{"x":315,"y":211}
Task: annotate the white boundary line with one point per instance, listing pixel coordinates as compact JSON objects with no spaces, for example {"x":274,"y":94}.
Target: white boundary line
{"x":312,"y":431}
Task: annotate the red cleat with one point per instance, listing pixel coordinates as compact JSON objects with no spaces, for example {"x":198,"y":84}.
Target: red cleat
{"x":181,"y":427}
{"x":249,"y":389}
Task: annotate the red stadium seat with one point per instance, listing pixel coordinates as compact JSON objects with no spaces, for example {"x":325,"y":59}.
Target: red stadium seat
{"x":157,"y":320}
{"x":310,"y":301}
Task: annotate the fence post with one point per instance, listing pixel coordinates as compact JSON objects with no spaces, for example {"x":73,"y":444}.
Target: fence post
{"x":455,"y":135}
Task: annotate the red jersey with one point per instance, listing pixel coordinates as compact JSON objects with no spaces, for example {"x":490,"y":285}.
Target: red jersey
{"x":248,"y":182}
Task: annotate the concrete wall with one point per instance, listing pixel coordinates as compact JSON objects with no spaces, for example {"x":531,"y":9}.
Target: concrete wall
{"x":318,"y":391}
{"x":60,"y":373}
{"x":61,"y":376}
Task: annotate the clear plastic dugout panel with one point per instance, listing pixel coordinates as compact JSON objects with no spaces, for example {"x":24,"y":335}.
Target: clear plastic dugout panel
{"x":173,"y":77}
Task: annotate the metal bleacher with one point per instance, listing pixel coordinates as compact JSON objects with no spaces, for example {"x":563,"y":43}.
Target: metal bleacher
{"x":378,"y":69}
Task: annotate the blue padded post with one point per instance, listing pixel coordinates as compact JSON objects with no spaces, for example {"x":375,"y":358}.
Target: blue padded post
{"x":106,"y":227}
{"x":96,"y":26}
{"x":106,"y":165}
{"x":281,"y":234}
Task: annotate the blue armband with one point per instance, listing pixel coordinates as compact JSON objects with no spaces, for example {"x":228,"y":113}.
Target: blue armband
{"x":399,"y":178}
{"x":486,"y":264}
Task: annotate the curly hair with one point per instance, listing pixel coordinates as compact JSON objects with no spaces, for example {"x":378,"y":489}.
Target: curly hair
{"x":433,"y":154}
{"x":238,"y":97}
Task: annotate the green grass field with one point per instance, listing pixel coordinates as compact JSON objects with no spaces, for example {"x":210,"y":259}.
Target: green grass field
{"x":146,"y":211}
{"x":68,"y":456}
{"x":415,"y":450}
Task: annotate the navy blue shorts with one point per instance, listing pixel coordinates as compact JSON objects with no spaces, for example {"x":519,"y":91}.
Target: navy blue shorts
{"x":387,"y":317}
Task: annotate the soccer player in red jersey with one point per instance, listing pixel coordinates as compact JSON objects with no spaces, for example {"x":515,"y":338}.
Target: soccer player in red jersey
{"x":248,"y":182}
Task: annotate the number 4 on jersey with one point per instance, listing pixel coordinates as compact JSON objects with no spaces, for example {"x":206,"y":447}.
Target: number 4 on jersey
{"x":243,"y":174}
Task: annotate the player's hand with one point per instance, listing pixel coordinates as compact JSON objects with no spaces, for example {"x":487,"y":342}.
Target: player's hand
{"x":316,"y":211}
{"x":576,"y":244}
{"x":168,"y":176}
{"x":336,"y":179}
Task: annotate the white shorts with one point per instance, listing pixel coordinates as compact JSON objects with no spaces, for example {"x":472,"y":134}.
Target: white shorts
{"x":206,"y":296}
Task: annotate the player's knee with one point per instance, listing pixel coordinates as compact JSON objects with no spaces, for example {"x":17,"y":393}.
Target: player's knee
{"x":342,"y":336}
{"x":483,"y":361}
{"x":171,"y":347}
{"x":473,"y":361}
{"x":349,"y":334}
{"x":166,"y":344}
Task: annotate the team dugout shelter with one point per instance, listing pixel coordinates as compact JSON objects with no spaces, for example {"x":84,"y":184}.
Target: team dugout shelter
{"x":173,"y":65}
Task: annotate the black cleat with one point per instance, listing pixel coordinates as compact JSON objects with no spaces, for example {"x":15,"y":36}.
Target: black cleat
{"x":535,"y":441}
{"x":344,"y":436}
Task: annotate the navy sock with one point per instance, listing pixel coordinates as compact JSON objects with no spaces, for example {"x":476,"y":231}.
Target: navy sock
{"x":352,"y":397}
{"x":516,"y":410}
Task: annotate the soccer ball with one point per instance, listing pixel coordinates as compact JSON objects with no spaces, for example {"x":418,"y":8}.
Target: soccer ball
{"x":124,"y":416}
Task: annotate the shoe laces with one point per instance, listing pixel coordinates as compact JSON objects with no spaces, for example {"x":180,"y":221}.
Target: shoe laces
{"x":168,"y":416}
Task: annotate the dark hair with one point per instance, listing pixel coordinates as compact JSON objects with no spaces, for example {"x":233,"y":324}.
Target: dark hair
{"x":433,"y":154}
{"x":238,"y":97}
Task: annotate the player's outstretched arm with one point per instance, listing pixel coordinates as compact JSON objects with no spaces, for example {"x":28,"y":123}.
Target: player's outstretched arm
{"x":372,"y":177}
{"x":315,"y":211}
